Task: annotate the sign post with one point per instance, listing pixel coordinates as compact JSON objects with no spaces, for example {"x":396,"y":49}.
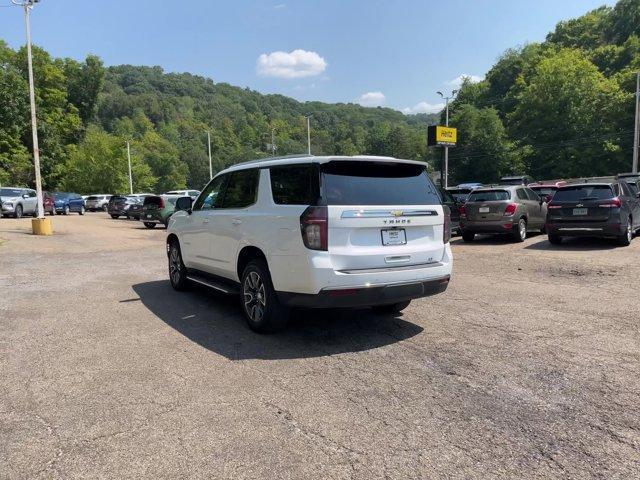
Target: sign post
{"x":439,"y":136}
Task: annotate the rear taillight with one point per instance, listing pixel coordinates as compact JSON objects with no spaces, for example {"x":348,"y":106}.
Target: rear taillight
{"x":446,"y":233}
{"x":314,"y":226}
{"x":463,"y":211}
{"x":613,"y":203}
{"x":161,"y":204}
{"x":511,"y":209}
{"x":552,"y":206}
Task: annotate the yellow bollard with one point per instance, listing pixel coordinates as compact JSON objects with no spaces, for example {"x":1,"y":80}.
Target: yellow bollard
{"x":42,"y":226}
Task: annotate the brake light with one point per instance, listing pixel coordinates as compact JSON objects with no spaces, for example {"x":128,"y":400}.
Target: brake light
{"x":511,"y":209}
{"x":552,"y":206}
{"x":314,"y":226}
{"x":463,"y":211}
{"x":161,"y":205}
{"x":446,"y":233}
{"x":613,"y":203}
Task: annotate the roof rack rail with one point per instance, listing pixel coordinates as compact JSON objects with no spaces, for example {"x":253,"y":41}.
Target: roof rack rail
{"x":266,"y":159}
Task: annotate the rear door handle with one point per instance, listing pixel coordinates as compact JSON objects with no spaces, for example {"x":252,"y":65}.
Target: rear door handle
{"x":236,"y":221}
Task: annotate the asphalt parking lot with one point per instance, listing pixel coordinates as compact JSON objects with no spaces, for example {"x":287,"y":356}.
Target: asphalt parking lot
{"x":527,"y":367}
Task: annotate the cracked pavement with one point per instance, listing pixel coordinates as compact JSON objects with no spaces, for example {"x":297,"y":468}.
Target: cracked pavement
{"x":527,"y":367}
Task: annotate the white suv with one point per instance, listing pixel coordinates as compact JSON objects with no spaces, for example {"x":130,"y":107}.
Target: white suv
{"x":314,"y":232}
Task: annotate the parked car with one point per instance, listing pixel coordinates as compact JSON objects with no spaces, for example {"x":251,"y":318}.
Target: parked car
{"x":49,"y":203}
{"x":546,"y":190}
{"x":67,"y":203}
{"x":454,"y":210}
{"x":314,"y":232}
{"x":460,"y":193}
{"x":512,"y":210}
{"x":184,"y":193}
{"x":158,"y":209}
{"x":97,"y":202}
{"x":119,"y":205}
{"x":17,"y":201}
{"x":516,"y":180}
{"x":133,"y":208}
{"x":594,"y":210}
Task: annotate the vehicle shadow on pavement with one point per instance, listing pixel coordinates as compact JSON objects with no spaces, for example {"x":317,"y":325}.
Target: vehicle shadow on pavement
{"x":215,"y":322}
{"x":575,"y":244}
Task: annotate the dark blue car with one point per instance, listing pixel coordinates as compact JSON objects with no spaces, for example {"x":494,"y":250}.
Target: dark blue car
{"x":68,"y":202}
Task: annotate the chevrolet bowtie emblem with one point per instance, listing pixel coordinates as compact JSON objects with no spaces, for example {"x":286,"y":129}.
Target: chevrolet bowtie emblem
{"x":397,"y":213}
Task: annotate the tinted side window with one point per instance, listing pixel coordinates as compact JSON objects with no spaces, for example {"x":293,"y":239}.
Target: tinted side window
{"x":522,"y":195}
{"x":626,"y":191}
{"x":241,"y":189}
{"x":210,"y":197}
{"x":532,"y":195}
{"x":295,"y":184}
{"x":32,"y":193}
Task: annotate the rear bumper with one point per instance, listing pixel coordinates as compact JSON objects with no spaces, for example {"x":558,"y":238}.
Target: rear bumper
{"x":494,"y":226}
{"x":586,"y":229}
{"x":365,"y":296}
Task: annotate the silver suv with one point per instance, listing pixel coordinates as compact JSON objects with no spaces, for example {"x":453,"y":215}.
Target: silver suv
{"x":17,"y":201}
{"x":511,"y":210}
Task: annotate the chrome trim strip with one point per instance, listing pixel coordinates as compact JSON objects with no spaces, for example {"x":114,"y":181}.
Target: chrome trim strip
{"x":387,"y":213}
{"x":419,"y":266}
{"x":585,"y":229}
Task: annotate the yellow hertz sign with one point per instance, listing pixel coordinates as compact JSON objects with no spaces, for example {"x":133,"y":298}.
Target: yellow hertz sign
{"x":438,"y":135}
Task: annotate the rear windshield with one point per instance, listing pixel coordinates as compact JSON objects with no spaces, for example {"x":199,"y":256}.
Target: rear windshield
{"x":152,"y":201}
{"x":489,"y":196}
{"x":544,"y":190}
{"x":61,"y":195}
{"x":117,"y":198}
{"x":460,"y":194}
{"x":583,"y":192}
{"x":377,"y":183}
{"x":92,"y":198}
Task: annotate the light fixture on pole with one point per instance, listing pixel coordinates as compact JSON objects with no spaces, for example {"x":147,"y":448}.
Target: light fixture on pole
{"x":39,"y":226}
{"x":210,"y":161}
{"x":308,"y":117}
{"x":636,"y":130}
{"x":129,"y":162}
{"x":445,"y":176}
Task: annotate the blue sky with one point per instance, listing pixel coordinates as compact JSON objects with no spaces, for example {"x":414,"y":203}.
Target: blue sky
{"x":394,"y":53}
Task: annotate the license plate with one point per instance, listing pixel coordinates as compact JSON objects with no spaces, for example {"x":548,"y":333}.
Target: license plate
{"x":580,"y":211}
{"x":394,"y":236}
{"x":148,"y":216}
{"x":483,"y":210}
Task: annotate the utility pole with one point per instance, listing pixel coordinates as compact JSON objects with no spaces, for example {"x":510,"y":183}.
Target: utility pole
{"x":636,"y":130}
{"x":308,"y":117}
{"x":130,"y":176}
{"x":273,"y":141}
{"x":210,"y":162}
{"x":445,"y":176}
{"x":28,"y":5}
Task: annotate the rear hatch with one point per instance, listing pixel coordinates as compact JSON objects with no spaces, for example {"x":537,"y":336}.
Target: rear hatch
{"x":487,"y":205}
{"x":582,"y":203}
{"x":92,"y":201}
{"x":152,"y":206}
{"x":381,"y":215}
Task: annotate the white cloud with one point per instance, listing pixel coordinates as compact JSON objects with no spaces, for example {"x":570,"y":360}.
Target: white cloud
{"x":371,"y":99}
{"x":279,"y":6}
{"x":295,"y":64}
{"x":457,"y":82}
{"x":423,"y":107}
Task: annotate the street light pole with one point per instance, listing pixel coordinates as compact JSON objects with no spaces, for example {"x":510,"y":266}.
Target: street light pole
{"x":130,"y":175}
{"x":210,"y":162}
{"x":28,"y":5}
{"x":445,"y":177}
{"x":308,"y":117}
{"x":636,"y":129}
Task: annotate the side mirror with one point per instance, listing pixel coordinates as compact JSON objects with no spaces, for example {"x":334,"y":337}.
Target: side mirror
{"x":25,"y":195}
{"x":184,"y":204}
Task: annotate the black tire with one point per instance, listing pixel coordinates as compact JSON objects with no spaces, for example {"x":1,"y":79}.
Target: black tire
{"x":177,"y":270}
{"x":149,"y":224}
{"x":627,"y":236}
{"x":468,"y":236}
{"x":66,"y":210}
{"x":115,"y":217}
{"x":520,"y":230}
{"x":81,"y":212}
{"x":391,"y":308}
{"x":18,"y":212}
{"x":554,"y":239}
{"x":262,"y":309}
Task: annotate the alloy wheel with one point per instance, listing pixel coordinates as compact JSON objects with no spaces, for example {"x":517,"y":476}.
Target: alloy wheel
{"x":629,"y":231}
{"x":522,"y":229}
{"x":254,"y":296}
{"x":175,"y":265}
